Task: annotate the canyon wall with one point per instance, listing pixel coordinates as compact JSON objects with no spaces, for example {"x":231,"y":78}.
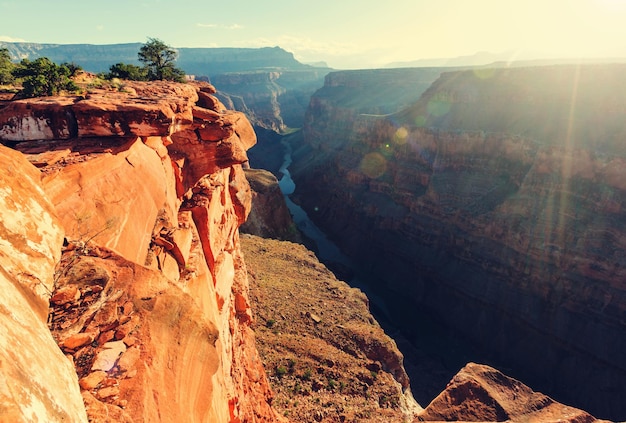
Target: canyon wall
{"x":370,"y":91}
{"x":274,"y":100}
{"x":496,"y":203}
{"x":148,"y":301}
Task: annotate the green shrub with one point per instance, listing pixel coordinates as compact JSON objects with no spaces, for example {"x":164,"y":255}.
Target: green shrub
{"x":42,"y":77}
{"x":281,"y":371}
{"x":128,"y":72}
{"x":6,"y":66}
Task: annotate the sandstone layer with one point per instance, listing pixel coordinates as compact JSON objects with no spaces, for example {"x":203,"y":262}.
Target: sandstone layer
{"x":37,"y":383}
{"x":149,"y":299}
{"x":497,"y":203}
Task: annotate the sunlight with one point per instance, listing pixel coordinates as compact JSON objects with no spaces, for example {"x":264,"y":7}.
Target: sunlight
{"x":612,"y":4}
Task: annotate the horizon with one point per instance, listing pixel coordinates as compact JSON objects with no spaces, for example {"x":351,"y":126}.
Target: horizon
{"x":347,"y":35}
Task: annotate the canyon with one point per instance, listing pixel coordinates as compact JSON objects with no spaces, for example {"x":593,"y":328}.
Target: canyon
{"x":129,"y":294}
{"x":495,"y":204}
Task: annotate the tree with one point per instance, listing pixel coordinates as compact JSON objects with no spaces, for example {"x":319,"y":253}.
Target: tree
{"x":43,"y":77}
{"x":127,"y":71}
{"x":6,"y":66}
{"x":159,"y":59}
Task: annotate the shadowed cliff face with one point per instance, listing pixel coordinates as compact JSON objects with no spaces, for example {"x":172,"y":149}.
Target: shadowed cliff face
{"x":496,"y":202}
{"x":149,"y":298}
{"x":269,"y":216}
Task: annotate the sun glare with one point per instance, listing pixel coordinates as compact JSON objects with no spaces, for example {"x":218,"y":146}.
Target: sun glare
{"x":612,"y":4}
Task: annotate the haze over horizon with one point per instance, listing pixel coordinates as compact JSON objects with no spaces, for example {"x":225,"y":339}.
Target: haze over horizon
{"x":347,"y":34}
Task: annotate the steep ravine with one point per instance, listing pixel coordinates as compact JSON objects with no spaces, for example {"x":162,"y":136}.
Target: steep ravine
{"x":496,"y":204}
{"x":328,"y":359}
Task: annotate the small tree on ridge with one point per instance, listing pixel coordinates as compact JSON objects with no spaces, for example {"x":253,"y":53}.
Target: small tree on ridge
{"x":159,"y":59}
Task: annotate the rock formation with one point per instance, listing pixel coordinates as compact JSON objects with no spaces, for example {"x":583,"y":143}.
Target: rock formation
{"x":149,"y":299}
{"x":269,"y":216}
{"x":479,"y":393}
{"x":495,"y":202}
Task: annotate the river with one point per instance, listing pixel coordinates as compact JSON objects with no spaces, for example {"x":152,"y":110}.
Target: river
{"x":432,"y":354}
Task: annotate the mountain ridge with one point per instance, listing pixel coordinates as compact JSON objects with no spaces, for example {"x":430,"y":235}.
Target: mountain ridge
{"x":193,"y":60}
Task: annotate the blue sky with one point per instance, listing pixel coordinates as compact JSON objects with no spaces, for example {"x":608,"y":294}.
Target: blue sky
{"x":344,"y":33}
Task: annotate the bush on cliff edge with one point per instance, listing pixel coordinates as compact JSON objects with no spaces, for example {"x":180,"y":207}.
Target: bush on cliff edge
{"x":158,"y":59}
{"x":43,"y":77}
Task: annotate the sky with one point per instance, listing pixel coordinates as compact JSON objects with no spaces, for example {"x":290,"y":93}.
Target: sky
{"x":343,"y":33}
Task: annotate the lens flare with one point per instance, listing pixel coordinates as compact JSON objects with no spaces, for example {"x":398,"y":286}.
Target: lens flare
{"x":420,"y":121}
{"x":438,"y":108}
{"x":374,"y":165}
{"x":484,"y":73}
{"x":400,"y":136}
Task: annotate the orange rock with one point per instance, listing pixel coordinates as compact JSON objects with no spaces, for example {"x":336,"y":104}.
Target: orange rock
{"x":78,"y":340}
{"x":92,"y":380}
{"x":106,"y":337}
{"x":108,"y":392}
{"x":65,"y":294}
{"x":102,"y":412}
{"x":128,"y":359}
{"x":31,"y":362}
{"x":112,"y":190}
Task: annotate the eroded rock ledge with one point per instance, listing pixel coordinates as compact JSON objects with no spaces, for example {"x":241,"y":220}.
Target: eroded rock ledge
{"x":149,"y":299}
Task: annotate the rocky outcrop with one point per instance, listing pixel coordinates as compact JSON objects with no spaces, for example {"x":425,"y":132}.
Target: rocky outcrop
{"x":269,"y":216}
{"x":38,"y":383}
{"x":479,"y":393}
{"x":149,"y":300}
{"x":497,"y":201}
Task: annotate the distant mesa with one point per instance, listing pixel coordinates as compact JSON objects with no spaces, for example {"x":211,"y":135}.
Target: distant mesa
{"x":194,"y":61}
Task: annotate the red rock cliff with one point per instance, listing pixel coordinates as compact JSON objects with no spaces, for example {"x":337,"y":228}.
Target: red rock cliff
{"x":149,"y":300}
